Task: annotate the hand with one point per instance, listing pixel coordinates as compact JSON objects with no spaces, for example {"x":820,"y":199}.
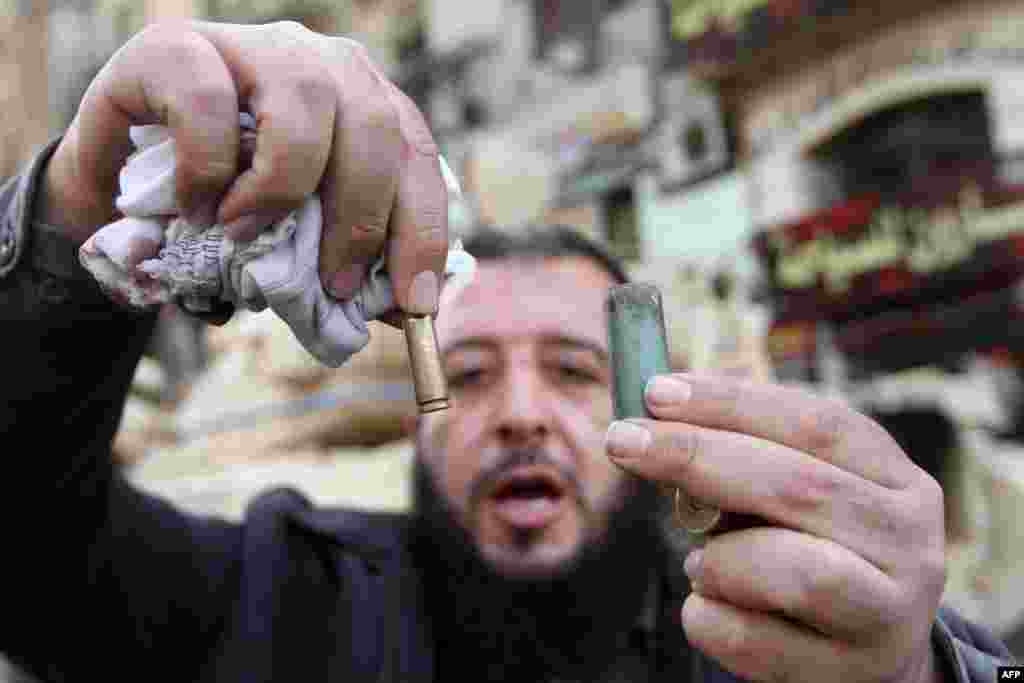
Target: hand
{"x":327,"y":122}
{"x":844,"y":578}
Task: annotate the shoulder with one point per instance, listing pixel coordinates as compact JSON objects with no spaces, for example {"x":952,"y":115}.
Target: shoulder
{"x":282,"y":517}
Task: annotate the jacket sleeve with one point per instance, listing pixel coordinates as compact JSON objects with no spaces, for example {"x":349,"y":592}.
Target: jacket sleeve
{"x":96,"y":578}
{"x":969,"y":653}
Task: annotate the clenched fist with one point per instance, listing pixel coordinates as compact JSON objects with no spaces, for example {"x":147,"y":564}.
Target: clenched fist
{"x":327,"y":121}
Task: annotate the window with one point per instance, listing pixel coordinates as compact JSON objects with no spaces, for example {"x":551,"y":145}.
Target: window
{"x":566,"y":33}
{"x":620,"y":218}
{"x":694,"y":141}
{"x":920,"y":147}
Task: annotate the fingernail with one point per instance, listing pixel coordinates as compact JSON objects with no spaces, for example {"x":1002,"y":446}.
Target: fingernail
{"x":248,"y":228}
{"x":692,"y":567}
{"x":203,"y":216}
{"x":696,"y":615}
{"x":665,"y":390}
{"x":345,"y":282}
{"x":627,"y":440}
{"x":423,"y":293}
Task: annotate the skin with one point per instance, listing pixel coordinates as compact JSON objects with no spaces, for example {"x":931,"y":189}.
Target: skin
{"x":536,"y":376}
{"x":848,"y":570}
{"x":327,"y":121}
{"x":845,"y":574}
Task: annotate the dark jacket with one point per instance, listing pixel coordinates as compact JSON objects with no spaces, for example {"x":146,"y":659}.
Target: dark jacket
{"x":103,"y":582}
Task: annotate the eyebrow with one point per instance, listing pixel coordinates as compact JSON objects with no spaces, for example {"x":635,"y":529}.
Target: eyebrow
{"x":563,"y":340}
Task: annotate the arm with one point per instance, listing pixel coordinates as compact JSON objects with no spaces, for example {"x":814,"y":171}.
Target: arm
{"x":107,"y":570}
{"x":91,"y":566}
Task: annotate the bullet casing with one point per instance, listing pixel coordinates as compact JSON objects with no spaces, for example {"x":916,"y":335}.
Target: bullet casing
{"x":425,"y":359}
{"x":639,"y":350}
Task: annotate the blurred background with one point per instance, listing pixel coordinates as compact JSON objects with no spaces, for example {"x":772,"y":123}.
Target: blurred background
{"x":829,"y":193}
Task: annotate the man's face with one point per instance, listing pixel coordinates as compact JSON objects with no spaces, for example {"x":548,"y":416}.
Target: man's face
{"x":520,"y":454}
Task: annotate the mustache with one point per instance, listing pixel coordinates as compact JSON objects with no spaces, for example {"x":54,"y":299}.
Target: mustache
{"x":512,"y":458}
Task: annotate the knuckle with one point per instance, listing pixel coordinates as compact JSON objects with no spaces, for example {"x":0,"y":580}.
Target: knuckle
{"x":820,"y":580}
{"x":922,"y":509}
{"x":174,"y":42}
{"x":313,"y":89}
{"x":883,"y":513}
{"x":415,"y":129}
{"x":824,"y":428}
{"x":810,"y":489}
{"x":681,"y":448}
{"x":377,"y":116}
{"x":729,"y":395}
{"x":210,"y":99}
{"x":296,"y":149}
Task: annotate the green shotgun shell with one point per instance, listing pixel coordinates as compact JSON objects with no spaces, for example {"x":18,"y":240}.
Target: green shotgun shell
{"x":639,"y":351}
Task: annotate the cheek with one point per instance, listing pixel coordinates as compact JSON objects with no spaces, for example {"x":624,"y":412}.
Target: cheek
{"x":584,"y":422}
{"x":607,"y":482}
{"x":450,"y":447}
{"x":602,"y":408}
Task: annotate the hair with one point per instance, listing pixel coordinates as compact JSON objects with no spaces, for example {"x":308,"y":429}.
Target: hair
{"x":487,"y":243}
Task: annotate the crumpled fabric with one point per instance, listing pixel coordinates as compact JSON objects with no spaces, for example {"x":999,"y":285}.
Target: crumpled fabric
{"x":154,"y":256}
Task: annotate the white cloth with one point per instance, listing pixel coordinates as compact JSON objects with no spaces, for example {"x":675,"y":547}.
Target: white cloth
{"x":154,"y":256}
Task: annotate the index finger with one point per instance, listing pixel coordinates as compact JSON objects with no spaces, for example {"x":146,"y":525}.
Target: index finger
{"x":821,"y":427}
{"x":173,"y":76}
{"x":418,"y":243}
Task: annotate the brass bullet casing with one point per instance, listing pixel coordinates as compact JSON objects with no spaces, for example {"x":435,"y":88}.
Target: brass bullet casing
{"x":639,"y":350}
{"x":425,"y":359}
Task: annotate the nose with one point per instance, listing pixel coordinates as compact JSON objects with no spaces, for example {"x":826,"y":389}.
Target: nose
{"x":522,"y":414}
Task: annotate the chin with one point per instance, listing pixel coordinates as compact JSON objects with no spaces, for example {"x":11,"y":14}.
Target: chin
{"x":542,"y":561}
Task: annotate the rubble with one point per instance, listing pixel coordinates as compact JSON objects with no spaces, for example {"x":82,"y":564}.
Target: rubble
{"x":264,"y":412}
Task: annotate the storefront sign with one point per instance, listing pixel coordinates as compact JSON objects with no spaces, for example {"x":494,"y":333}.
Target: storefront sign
{"x":918,"y":240}
{"x":720,"y":33}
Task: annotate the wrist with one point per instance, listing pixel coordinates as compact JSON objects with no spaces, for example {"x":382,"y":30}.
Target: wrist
{"x":63,"y":202}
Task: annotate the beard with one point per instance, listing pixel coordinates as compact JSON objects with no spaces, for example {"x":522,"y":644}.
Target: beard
{"x":569,"y":624}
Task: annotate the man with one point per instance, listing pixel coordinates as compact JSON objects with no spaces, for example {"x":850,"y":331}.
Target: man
{"x":535,"y":551}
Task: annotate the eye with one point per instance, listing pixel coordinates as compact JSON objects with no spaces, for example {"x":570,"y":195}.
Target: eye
{"x":576,"y":374}
{"x":465,"y":378}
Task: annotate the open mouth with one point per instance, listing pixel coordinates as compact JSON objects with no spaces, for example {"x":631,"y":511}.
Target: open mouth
{"x":529,"y":497}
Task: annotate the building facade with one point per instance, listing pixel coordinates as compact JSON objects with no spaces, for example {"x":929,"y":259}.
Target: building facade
{"x":881,"y":147}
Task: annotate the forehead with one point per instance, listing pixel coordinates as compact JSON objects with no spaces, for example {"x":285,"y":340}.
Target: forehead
{"x":521,"y":299}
